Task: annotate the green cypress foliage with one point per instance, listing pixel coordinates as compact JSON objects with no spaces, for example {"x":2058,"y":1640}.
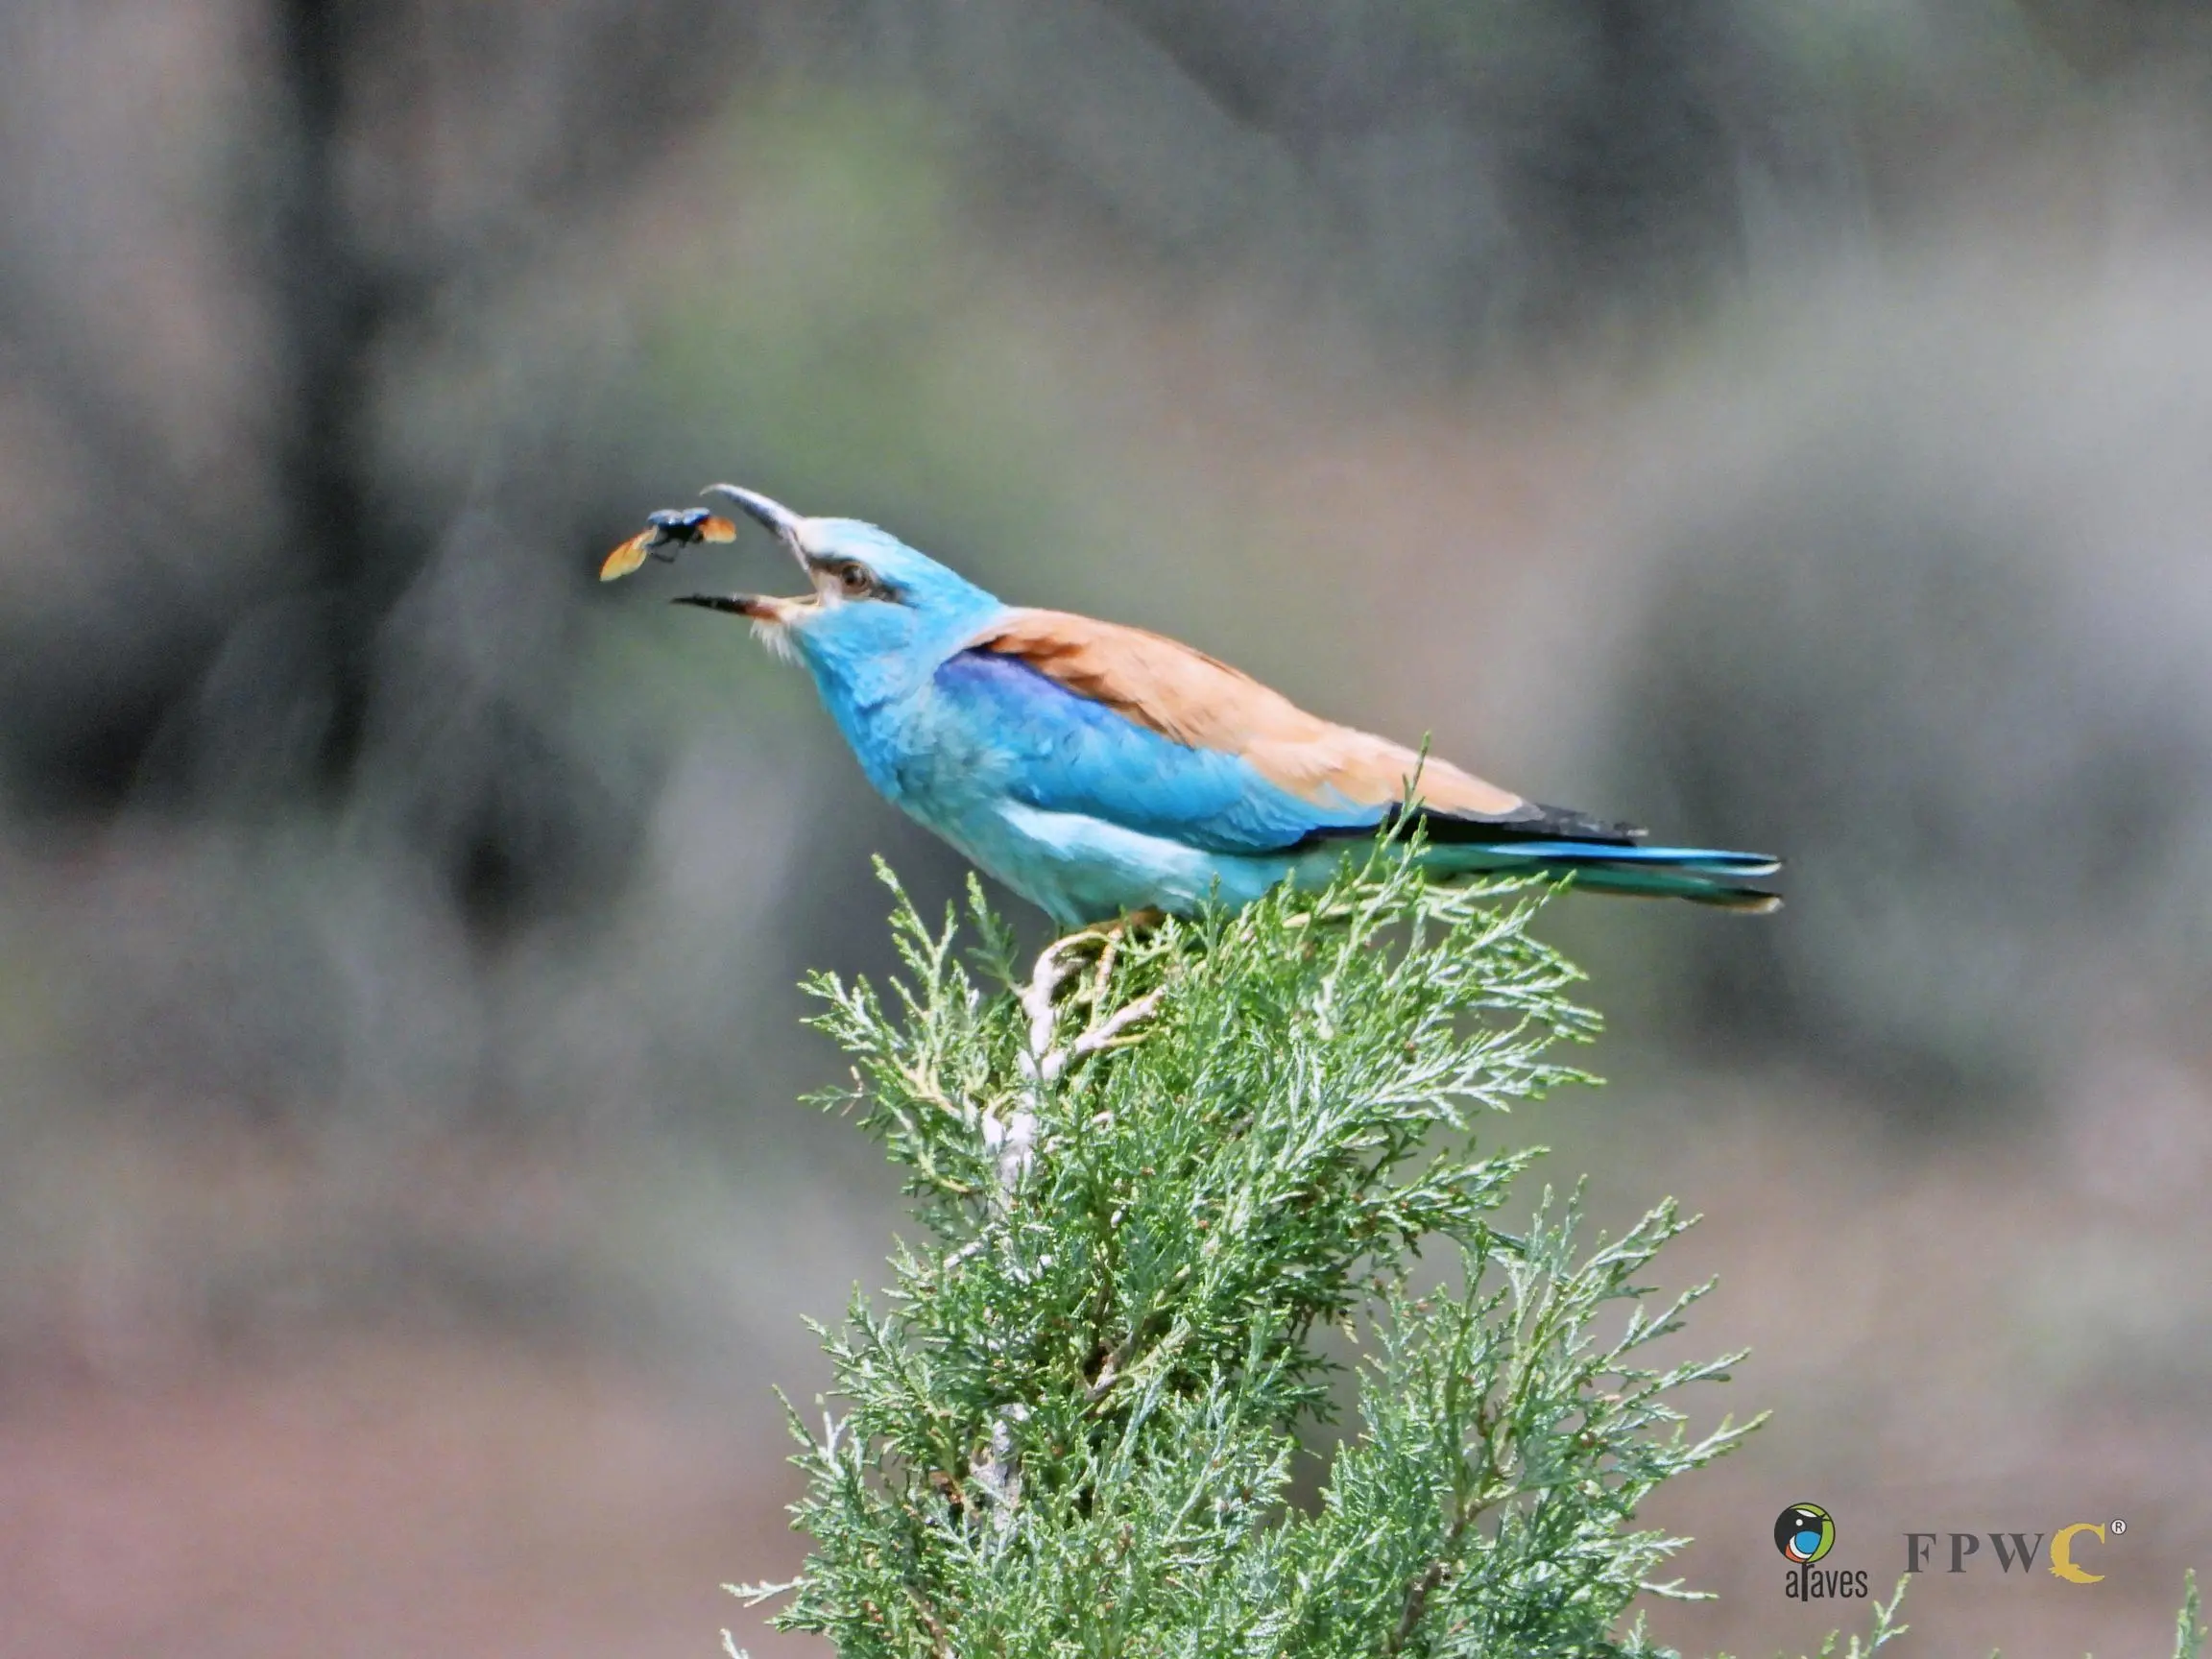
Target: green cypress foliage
{"x":1148,"y":1172}
{"x":2189,"y":1623}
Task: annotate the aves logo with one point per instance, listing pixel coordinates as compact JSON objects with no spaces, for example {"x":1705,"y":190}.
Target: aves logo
{"x":1804,"y":1533}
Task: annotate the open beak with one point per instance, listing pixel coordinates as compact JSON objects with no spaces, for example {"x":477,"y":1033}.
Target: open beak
{"x":750,"y":605}
{"x":756,"y":606}
{"x":790,"y":527}
{"x":791,"y":530}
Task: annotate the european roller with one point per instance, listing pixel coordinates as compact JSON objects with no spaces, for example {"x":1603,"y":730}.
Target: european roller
{"x":1099,"y":770}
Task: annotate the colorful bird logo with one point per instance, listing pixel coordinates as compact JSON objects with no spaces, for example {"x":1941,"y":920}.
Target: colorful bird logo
{"x":1804,"y":1532}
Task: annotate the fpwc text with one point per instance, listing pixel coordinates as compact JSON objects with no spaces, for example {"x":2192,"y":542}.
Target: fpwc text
{"x":2012,"y":1550}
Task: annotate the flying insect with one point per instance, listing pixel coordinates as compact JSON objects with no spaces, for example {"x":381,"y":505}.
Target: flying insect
{"x":666,"y":531}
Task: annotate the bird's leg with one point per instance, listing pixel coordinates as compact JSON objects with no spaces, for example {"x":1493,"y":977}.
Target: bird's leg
{"x":1128,"y":921}
{"x":1111,"y":930}
{"x":1113,"y":933}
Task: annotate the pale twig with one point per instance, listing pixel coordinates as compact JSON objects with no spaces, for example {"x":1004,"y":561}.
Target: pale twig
{"x":940,"y":1642}
{"x":1045,"y":982}
{"x":1013,"y":1138}
{"x":924,"y":1090}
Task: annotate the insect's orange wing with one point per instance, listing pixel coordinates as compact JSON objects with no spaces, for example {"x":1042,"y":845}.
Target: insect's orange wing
{"x":628,"y":557}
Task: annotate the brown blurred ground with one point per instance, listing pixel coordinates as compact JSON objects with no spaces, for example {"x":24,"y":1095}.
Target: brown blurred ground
{"x":384,"y":1495}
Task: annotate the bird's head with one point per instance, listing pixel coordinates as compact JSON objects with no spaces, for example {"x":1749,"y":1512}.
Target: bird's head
{"x":880,"y":616}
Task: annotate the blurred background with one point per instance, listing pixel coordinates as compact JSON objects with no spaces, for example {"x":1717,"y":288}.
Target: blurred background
{"x":1783,"y":423}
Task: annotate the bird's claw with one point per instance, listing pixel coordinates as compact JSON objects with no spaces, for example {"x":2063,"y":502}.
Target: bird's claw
{"x":1114,"y":929}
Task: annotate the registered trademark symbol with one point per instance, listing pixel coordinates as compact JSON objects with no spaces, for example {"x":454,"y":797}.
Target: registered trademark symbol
{"x":2118,"y":1527}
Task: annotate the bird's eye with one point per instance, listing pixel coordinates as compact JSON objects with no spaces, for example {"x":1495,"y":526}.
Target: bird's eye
{"x":855,"y":580}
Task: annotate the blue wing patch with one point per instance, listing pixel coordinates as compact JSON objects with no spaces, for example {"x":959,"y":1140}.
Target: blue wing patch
{"x":1074,"y":755}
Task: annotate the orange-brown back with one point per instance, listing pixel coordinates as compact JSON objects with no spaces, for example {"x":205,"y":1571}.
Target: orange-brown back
{"x":1184,"y":694}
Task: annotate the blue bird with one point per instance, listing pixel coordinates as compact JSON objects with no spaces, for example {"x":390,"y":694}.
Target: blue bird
{"x":1099,"y":769}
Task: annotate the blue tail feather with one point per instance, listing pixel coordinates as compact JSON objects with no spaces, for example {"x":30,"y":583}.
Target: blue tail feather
{"x":1708,"y":860}
{"x":1703,"y":874}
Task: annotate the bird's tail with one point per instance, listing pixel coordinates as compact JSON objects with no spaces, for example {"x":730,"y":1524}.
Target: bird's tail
{"x":1701,"y":875}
